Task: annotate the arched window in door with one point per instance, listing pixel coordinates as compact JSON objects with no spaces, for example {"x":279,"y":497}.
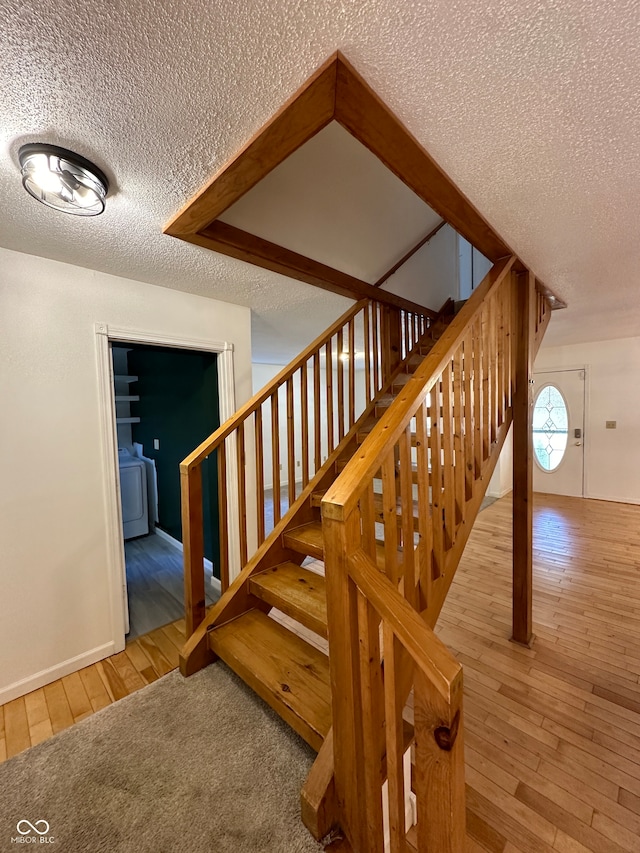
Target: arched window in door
{"x":550,"y":427}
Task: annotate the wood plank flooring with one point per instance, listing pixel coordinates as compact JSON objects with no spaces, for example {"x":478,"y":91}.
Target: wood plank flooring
{"x":155,"y":584}
{"x":552,"y":733}
{"x":26,"y":721}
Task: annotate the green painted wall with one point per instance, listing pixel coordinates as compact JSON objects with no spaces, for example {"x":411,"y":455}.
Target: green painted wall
{"x":178,"y":406}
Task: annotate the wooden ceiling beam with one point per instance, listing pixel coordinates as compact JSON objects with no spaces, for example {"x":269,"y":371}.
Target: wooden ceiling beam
{"x":335,"y":92}
{"x":232,"y":241}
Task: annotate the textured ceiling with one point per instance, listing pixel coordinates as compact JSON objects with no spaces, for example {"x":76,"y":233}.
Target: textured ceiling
{"x":531,"y":107}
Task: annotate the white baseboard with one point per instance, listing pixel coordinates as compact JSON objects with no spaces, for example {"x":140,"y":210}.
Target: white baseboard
{"x":497,"y":494}
{"x":215,"y":583}
{"x":613,"y":499}
{"x":46,"y":676}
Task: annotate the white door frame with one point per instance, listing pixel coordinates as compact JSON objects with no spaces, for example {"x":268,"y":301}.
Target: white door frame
{"x":106,"y":335}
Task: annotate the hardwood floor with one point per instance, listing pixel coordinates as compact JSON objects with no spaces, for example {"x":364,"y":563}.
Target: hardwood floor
{"x":552,"y":733}
{"x":26,"y":721}
{"x":155,"y":584}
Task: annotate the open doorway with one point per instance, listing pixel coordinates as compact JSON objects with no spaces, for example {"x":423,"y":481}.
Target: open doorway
{"x":166,"y":403}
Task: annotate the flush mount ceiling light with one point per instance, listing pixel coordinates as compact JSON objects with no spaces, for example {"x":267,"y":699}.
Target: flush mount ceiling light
{"x":62,"y":180}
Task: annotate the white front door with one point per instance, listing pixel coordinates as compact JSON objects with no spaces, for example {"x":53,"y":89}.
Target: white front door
{"x":558,"y":432}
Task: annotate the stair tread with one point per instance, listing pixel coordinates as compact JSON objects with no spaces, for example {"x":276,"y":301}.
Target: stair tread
{"x":296,"y":591}
{"x":306,"y":539}
{"x":309,"y":536}
{"x":284,"y":670}
{"x":401,"y":380}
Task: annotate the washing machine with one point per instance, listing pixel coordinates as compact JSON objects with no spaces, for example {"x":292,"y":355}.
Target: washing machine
{"x":133,"y":495}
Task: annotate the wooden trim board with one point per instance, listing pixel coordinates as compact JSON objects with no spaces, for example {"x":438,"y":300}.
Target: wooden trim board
{"x":335,"y":92}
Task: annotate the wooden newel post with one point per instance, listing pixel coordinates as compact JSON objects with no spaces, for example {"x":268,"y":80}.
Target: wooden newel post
{"x":193,"y":546}
{"x":523,"y":460}
{"x":439,"y":780}
{"x":340,"y":540}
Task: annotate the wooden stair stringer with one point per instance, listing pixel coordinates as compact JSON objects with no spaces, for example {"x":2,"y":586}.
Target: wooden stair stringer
{"x":453,"y":556}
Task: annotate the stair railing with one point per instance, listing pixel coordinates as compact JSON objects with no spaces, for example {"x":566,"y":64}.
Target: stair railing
{"x":395,"y":523}
{"x":542,"y":316}
{"x":265,"y":449}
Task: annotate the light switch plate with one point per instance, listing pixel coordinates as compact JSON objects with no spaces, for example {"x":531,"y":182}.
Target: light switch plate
{"x":156,"y":444}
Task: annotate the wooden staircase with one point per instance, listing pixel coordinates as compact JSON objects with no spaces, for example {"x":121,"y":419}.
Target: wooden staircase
{"x":289,"y":673}
{"x":394,"y":471}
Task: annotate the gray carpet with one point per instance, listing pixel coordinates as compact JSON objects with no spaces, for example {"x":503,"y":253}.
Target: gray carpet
{"x":191,"y":765}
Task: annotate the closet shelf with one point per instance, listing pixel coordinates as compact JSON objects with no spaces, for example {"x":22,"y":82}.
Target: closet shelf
{"x":121,"y":377}
{"x":127,"y":420}
{"x":124,"y":398}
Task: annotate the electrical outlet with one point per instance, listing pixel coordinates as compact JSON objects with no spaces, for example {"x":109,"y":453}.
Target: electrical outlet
{"x":611,"y":424}
{"x":298,"y":463}
{"x":156,"y":444}
{"x":281,"y":467}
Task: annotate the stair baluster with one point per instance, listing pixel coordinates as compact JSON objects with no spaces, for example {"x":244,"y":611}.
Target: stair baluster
{"x":429,"y":460}
{"x":333,"y":395}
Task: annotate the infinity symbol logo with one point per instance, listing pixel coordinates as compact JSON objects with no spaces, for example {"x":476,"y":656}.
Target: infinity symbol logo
{"x":33,"y":827}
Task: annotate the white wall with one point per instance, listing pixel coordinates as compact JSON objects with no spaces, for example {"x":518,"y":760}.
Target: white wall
{"x":472,"y":267}
{"x":54,"y":587}
{"x":612,"y":457}
{"x":501,"y":482}
{"x":430,"y":276}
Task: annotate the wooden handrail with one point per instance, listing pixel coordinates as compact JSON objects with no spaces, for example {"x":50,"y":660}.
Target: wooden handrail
{"x":340,"y":499}
{"x":332,"y":395}
{"x":403,"y":260}
{"x":429,"y":653}
{"x":224,"y":431}
{"x":438,"y":724}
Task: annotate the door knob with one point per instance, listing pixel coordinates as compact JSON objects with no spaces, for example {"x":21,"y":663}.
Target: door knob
{"x":578,"y":443}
